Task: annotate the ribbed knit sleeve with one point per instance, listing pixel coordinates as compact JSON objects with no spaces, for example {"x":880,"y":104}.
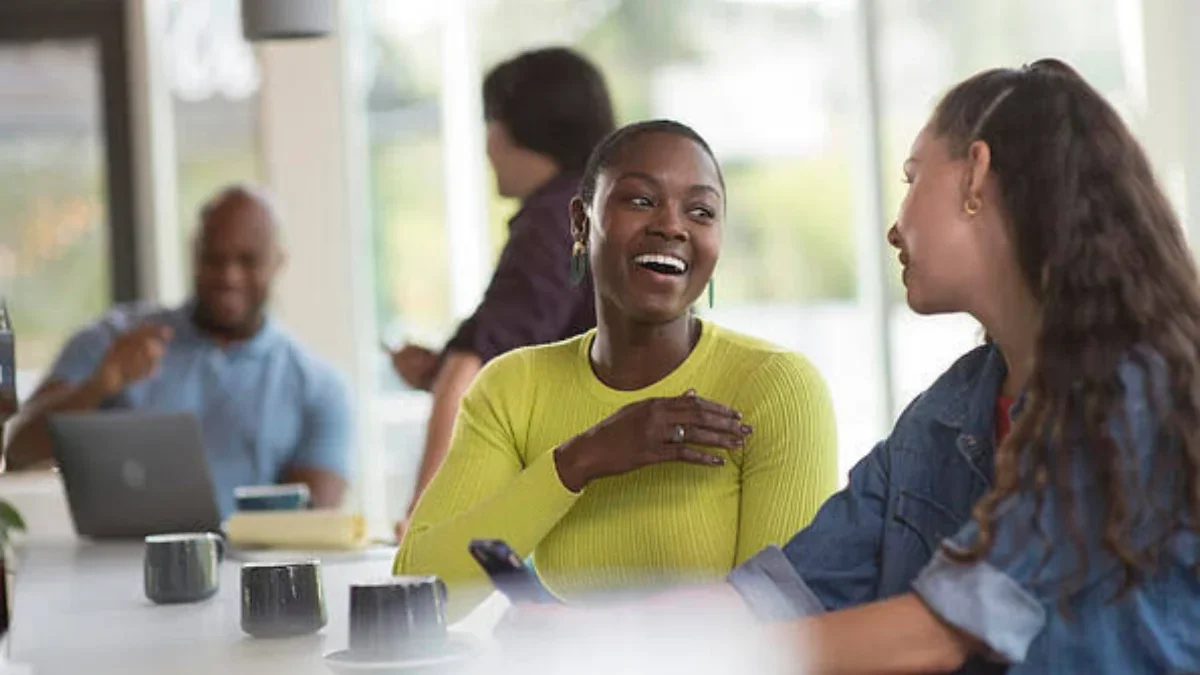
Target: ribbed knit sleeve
{"x":790,"y":461}
{"x":483,"y":491}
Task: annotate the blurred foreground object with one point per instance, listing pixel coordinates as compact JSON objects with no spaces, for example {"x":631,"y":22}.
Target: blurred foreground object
{"x":684,"y":638}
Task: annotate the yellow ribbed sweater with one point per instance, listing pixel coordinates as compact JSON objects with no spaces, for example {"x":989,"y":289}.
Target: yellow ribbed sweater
{"x":657,"y":526}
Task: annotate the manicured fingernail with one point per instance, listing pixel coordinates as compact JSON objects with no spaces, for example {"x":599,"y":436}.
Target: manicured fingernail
{"x":716,"y":461}
{"x":747,"y":429}
{"x":690,"y":392}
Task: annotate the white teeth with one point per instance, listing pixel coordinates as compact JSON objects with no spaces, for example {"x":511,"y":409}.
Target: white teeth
{"x":665,"y":260}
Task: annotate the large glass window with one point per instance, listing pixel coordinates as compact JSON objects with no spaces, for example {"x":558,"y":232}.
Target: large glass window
{"x":406,"y":159}
{"x":778,"y":89}
{"x":928,"y":45}
{"x":54,"y":239}
{"x":413,"y":263}
{"x":214,"y":80}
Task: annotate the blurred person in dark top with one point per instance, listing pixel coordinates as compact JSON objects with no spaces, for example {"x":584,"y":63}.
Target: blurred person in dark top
{"x":545,"y":111}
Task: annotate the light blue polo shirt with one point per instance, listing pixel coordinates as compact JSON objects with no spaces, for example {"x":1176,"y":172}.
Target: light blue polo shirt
{"x":264,"y":405}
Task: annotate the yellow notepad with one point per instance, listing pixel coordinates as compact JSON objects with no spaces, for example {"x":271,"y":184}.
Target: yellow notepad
{"x":317,"y":529}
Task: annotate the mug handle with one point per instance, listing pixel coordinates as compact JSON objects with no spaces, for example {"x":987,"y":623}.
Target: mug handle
{"x":443,"y":596}
{"x":220,"y":546}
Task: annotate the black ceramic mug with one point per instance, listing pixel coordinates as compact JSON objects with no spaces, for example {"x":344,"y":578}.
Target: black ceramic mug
{"x":282,"y":599}
{"x":397,"y":616}
{"x":182,"y":567}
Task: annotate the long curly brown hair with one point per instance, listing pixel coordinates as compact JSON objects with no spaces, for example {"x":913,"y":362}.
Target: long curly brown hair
{"x":1101,"y":249}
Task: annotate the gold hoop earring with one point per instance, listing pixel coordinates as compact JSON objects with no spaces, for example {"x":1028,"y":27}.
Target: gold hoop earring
{"x":972,"y":205}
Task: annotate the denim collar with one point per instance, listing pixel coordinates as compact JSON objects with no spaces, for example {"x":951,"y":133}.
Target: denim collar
{"x":970,"y":399}
{"x":968,"y":406}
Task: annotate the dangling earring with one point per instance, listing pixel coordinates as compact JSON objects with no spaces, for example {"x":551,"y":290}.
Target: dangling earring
{"x":972,"y":205}
{"x":712,"y":285}
{"x":578,"y":263}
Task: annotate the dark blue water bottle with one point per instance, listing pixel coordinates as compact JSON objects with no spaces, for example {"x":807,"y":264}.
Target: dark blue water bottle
{"x":8,"y":366}
{"x":8,"y":408}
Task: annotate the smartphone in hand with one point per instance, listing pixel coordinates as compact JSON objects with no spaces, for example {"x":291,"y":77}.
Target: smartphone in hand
{"x":509,"y":574}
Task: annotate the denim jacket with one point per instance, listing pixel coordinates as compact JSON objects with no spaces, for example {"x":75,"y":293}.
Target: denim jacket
{"x":881,"y":537}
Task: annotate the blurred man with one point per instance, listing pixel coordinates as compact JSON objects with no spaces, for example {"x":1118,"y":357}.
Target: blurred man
{"x":270,"y":411}
{"x":545,"y":111}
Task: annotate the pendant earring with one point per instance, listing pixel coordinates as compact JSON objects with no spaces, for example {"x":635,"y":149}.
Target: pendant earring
{"x":578,"y":263}
{"x":712,"y":285}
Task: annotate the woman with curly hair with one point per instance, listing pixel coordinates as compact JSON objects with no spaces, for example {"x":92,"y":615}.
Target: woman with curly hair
{"x":1038,"y":507}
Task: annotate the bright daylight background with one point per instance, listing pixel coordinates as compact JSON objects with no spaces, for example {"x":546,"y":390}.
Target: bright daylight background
{"x":810,"y":105}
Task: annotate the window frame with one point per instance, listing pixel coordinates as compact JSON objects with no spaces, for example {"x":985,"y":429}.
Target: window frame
{"x":32,"y":21}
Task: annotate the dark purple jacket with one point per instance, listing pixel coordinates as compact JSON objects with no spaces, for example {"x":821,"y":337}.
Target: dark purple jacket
{"x":530,"y":299}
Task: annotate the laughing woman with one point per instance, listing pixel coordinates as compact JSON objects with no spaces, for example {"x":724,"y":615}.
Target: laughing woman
{"x":656,"y":450}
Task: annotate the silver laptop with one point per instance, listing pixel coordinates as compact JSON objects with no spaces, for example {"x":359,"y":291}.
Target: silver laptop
{"x":129,"y":474}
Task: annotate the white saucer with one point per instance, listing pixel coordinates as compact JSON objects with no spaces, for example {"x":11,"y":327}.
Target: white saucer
{"x":459,"y":647}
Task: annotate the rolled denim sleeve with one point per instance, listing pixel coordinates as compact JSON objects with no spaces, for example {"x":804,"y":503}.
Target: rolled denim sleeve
{"x":982,"y":599}
{"x":1008,"y":598}
{"x":773,"y":589}
{"x":831,"y":564}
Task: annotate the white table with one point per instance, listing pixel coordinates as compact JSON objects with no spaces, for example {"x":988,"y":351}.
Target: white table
{"x":80,"y":608}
